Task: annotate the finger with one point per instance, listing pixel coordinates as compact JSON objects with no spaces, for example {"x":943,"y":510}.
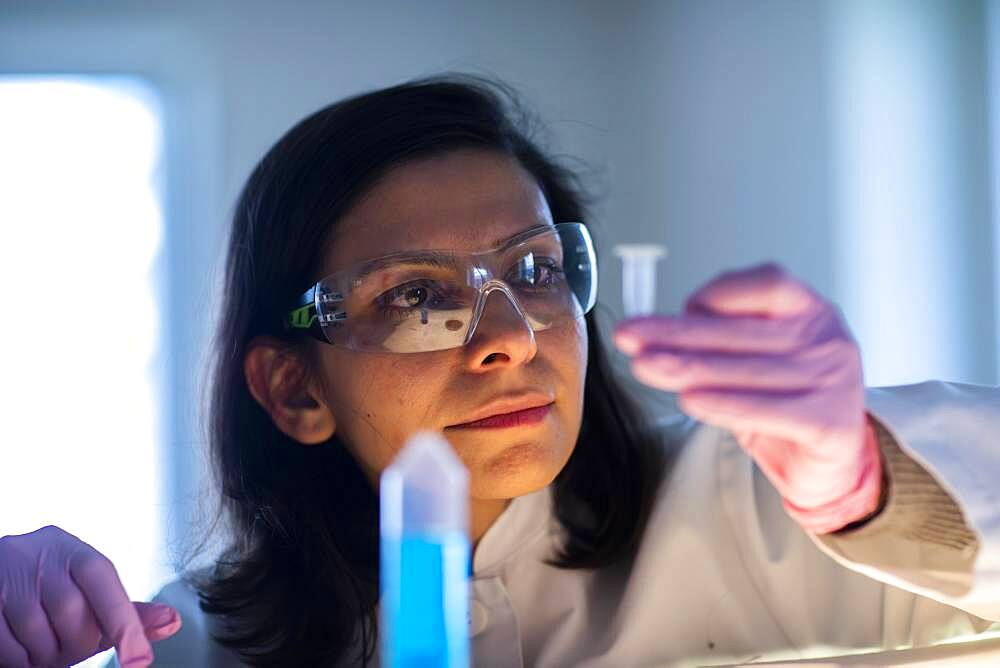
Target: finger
{"x":96,"y":577}
{"x":12,"y":652}
{"x":71,"y":619}
{"x":159,"y":620}
{"x":800,"y":417}
{"x":678,"y":370}
{"x":763,"y":290}
{"x":773,"y":455}
{"x":31,"y":628}
{"x":737,"y":334}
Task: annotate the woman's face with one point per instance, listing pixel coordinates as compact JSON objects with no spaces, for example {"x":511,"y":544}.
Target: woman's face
{"x":467,"y":201}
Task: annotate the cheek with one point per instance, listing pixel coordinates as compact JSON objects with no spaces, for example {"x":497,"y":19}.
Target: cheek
{"x":575,"y":363}
{"x":566,"y":350}
{"x":570,"y":353}
{"x":367,"y":387}
{"x":582,"y":342}
{"x":377,"y":400}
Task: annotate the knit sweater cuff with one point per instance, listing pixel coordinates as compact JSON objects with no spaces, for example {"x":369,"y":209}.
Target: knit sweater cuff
{"x":917,"y":507}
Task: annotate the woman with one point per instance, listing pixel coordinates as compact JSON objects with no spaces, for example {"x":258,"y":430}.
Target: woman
{"x":856,"y":522}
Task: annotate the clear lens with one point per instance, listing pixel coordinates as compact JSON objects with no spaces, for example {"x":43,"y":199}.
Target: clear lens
{"x":420,"y":302}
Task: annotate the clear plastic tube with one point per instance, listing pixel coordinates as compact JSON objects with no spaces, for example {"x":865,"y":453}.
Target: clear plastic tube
{"x":639,"y":276}
{"x":425,"y":556}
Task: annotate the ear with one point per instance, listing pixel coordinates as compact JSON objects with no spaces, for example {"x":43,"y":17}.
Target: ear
{"x":277,"y":379}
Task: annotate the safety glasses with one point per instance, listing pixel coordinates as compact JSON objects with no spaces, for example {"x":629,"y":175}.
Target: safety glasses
{"x":421,"y":301}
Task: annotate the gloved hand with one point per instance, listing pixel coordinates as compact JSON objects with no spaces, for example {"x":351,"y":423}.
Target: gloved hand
{"x":762,"y":355}
{"x":62,"y":602}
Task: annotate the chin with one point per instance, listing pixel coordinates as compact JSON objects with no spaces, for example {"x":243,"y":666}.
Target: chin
{"x":518,"y":470}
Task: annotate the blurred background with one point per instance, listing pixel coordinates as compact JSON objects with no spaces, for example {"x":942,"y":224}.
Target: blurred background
{"x":855,"y":142}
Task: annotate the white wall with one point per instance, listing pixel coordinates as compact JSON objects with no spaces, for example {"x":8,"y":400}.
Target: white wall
{"x":847,"y":140}
{"x":993,"y":92}
{"x":720,"y":146}
{"x":911,"y":183}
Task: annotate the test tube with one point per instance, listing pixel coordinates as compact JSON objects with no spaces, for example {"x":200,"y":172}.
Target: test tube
{"x":639,"y":276}
{"x":425,"y":556}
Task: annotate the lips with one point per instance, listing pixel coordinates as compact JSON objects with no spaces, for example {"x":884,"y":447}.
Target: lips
{"x":527,"y":417}
{"x":510,"y":410}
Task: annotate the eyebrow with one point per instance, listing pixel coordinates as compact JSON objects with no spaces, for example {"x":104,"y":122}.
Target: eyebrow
{"x":434,"y":258}
{"x":419,"y":259}
{"x":503,"y":241}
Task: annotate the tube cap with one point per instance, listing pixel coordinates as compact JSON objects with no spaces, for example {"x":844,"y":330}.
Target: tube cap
{"x":640,"y":251}
{"x":425,"y":489}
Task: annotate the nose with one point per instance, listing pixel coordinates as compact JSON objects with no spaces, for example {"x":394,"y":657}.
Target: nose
{"x":500,"y":336}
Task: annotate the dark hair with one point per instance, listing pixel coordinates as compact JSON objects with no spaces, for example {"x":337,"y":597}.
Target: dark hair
{"x":304,"y":520}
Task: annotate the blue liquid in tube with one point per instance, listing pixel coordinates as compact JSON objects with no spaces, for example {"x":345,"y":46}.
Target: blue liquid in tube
{"x":425,"y":557}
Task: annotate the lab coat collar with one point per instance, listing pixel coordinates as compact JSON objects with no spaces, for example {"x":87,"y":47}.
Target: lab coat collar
{"x":525,"y":520}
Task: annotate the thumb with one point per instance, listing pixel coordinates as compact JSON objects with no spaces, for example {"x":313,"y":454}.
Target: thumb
{"x":159,"y":621}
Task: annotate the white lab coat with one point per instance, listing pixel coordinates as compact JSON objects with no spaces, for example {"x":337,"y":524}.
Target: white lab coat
{"x":723,"y":574}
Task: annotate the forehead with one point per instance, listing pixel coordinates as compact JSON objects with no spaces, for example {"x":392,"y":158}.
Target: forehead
{"x":464,"y":200}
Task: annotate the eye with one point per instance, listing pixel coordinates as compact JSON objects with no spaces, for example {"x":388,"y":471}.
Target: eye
{"x":541,"y":273}
{"x":545,"y":274}
{"x":417,"y":294}
{"x":412,"y":296}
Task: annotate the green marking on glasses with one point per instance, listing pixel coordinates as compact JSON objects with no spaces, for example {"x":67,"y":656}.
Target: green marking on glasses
{"x":301,"y":318}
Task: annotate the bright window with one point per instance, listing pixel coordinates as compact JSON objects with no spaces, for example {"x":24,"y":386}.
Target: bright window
{"x":80,"y":230}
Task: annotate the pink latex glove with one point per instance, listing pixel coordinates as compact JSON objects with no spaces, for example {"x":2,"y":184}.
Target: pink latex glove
{"x":761,"y":354}
{"x":62,"y":602}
